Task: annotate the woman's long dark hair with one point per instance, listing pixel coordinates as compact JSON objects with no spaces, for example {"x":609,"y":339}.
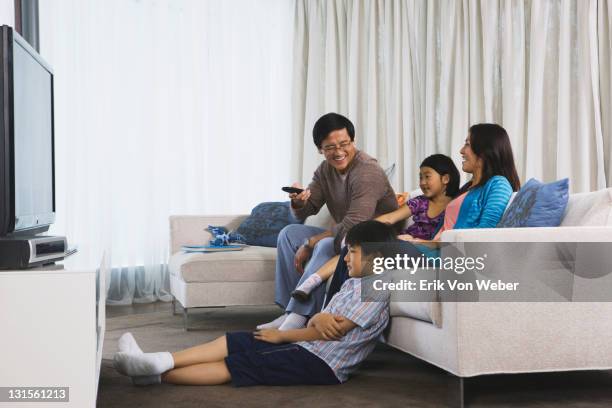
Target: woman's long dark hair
{"x":490,"y":142}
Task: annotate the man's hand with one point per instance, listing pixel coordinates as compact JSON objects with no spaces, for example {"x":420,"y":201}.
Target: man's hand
{"x":328,"y":325}
{"x":269,"y":335}
{"x":301,"y":256}
{"x":299,"y":200}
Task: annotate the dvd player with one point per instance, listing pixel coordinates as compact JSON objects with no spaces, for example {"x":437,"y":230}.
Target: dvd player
{"x":28,"y":252}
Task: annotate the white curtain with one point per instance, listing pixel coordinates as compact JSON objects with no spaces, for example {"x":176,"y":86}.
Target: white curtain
{"x":414,"y":75}
{"x":164,"y":107}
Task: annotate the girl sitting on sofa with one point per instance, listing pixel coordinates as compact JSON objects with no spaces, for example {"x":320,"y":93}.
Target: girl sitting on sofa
{"x":439,"y":182}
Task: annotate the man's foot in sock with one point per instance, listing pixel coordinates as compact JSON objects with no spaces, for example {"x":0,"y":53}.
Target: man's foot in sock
{"x":274,"y":324}
{"x":293,"y":321}
{"x":145,"y":364}
{"x":127,"y":344}
{"x":146,"y":380}
{"x":309,"y":284}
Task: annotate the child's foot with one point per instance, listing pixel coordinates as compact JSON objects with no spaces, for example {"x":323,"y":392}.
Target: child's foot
{"x":127,"y":344}
{"x":306,"y":287}
{"x":145,"y":364}
{"x":293,"y":321}
{"x":274,"y":324}
{"x":146,"y":380}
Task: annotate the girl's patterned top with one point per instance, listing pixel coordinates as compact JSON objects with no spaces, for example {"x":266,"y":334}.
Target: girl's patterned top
{"x":423,"y":227}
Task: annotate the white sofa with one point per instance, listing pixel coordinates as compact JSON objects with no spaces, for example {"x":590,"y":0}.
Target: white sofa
{"x":221,"y":278}
{"x":466,"y":339}
{"x":469,"y":339}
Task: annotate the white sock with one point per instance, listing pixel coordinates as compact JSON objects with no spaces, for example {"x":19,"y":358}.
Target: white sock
{"x":293,"y":321}
{"x":146,"y":379}
{"x":127,"y":344}
{"x":274,"y":324}
{"x":143,"y":364}
{"x":310,"y":283}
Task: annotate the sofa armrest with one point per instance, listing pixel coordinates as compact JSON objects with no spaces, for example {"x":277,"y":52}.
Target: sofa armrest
{"x":191,"y":229}
{"x":535,"y":234}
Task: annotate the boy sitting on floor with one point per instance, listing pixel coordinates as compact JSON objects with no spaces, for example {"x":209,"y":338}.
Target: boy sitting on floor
{"x":273,"y":357}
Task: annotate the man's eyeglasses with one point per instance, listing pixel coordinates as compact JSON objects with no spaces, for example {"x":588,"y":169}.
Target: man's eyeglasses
{"x":341,"y":146}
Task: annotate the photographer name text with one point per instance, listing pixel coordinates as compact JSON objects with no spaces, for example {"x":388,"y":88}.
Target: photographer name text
{"x":445,"y":285}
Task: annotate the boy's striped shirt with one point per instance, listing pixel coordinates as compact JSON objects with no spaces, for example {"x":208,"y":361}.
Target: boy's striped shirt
{"x":371,"y":318}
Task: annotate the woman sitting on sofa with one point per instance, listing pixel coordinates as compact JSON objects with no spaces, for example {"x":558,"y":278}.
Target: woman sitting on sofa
{"x":487,"y":156}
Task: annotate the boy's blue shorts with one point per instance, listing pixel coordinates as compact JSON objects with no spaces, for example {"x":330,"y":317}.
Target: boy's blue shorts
{"x":254,"y":362}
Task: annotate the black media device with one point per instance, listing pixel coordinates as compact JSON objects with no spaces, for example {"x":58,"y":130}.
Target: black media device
{"x":28,"y":252}
{"x":27,"y":168}
{"x":292,"y":190}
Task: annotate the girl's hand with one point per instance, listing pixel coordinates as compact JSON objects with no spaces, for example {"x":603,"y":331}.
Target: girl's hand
{"x":407,"y":237}
{"x":269,"y":335}
{"x":402,"y":198}
{"x":424,"y":242}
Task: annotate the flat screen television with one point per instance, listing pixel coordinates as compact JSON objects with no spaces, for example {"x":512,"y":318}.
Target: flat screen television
{"x":27,"y":178}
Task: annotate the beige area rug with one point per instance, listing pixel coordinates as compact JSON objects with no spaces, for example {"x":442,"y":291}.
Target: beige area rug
{"x":388,"y":378}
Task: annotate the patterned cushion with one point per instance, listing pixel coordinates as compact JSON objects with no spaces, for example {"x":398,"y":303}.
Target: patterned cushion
{"x":261,"y":228}
{"x":537,"y":205}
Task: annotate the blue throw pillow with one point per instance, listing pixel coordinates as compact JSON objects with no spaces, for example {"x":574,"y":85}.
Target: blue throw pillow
{"x":537,"y":205}
{"x":261,"y":228}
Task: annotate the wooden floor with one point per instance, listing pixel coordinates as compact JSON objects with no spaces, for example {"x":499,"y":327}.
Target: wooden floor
{"x":116,"y":311}
{"x":388,"y":378}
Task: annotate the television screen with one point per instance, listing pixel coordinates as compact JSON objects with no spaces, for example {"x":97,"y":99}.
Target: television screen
{"x":27,"y":190}
{"x":33,"y":122}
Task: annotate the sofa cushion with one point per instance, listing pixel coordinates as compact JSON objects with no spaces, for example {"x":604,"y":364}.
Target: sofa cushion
{"x":589,"y":209}
{"x":537,"y":205}
{"x":261,"y":228}
{"x":252,"y":264}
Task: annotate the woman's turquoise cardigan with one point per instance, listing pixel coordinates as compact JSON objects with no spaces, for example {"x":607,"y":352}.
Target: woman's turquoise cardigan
{"x":484,"y":206}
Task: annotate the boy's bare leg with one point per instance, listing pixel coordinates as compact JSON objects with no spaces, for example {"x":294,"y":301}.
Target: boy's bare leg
{"x":214,"y":351}
{"x":198,"y":374}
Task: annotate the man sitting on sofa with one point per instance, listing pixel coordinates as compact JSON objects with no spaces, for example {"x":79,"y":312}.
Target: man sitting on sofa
{"x":355,"y":189}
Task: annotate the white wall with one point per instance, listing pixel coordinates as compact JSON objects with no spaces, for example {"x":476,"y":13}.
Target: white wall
{"x":7,"y":12}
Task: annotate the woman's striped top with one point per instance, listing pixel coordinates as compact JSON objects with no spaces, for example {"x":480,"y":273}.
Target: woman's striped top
{"x":484,"y":206}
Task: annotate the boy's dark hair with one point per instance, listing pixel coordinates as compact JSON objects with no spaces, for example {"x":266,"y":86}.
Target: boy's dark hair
{"x":374,"y":234}
{"x":327,"y":124}
{"x":444,"y":165}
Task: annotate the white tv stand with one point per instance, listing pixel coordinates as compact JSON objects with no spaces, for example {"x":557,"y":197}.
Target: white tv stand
{"x":52,"y":322}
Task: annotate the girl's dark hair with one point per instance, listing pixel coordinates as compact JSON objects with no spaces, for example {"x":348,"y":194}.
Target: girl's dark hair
{"x":444,"y":165}
{"x":373,"y":233}
{"x":491,"y":143}
{"x":327,"y":124}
